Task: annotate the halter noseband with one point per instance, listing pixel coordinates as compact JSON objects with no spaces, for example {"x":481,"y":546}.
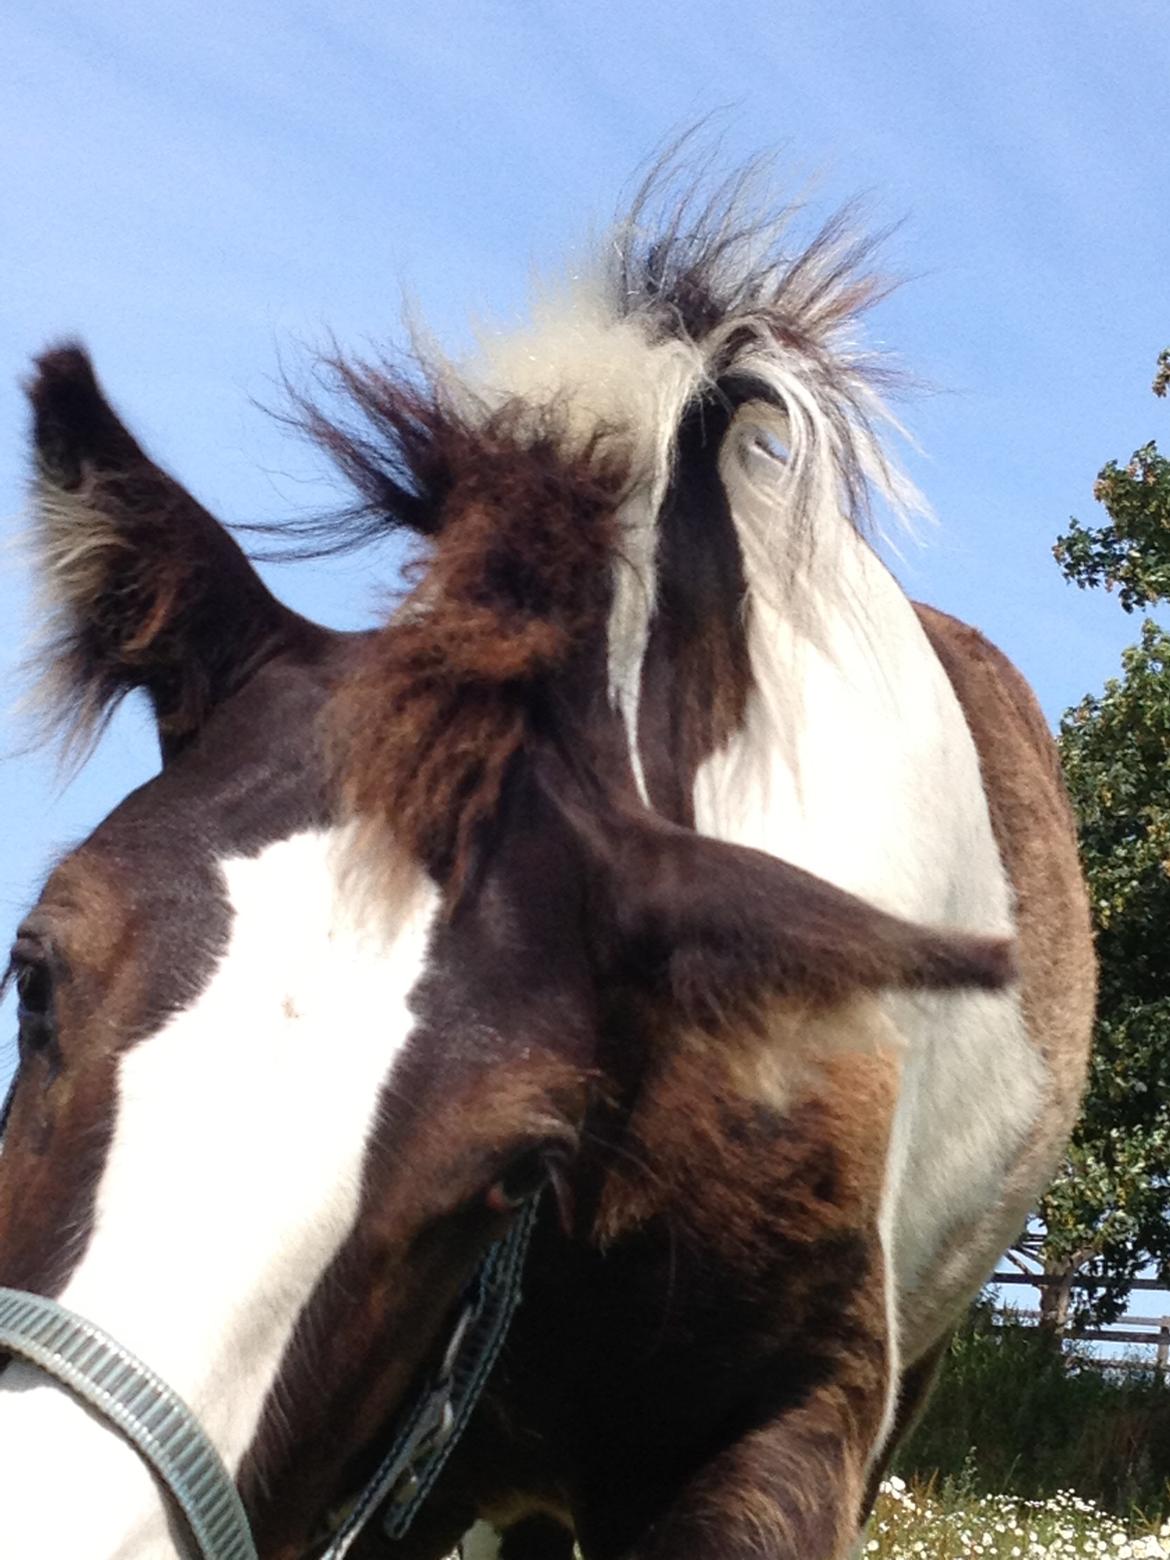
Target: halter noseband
{"x":138,"y":1404}
{"x":165,"y":1433}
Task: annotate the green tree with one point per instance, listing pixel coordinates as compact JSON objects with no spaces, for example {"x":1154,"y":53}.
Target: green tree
{"x":1108,"y":1213}
{"x":1131,"y":553}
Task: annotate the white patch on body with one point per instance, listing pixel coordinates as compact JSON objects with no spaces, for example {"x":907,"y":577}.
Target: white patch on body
{"x":232,"y":1181}
{"x":856,"y":763}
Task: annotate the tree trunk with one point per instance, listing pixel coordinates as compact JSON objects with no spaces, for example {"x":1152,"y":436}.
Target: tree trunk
{"x":1056,"y":1296}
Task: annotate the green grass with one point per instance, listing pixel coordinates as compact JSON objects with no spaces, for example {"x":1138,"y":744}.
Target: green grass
{"x":920,"y":1522}
{"x":1011,"y":1415}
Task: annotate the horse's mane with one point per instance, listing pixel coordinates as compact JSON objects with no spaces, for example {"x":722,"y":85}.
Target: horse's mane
{"x":532,"y":479}
{"x":534,"y":475}
{"x":696,"y":282}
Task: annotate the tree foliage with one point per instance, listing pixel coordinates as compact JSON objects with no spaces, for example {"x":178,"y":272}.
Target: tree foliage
{"x":1108,"y":1214}
{"x":1131,"y":553}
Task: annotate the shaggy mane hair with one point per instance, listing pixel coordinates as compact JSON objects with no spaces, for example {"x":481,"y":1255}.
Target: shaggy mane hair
{"x":532,"y":477}
{"x":516,"y":582}
{"x":535,"y":473}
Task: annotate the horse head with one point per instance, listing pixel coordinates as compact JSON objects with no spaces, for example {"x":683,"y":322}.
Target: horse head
{"x":383,"y":951}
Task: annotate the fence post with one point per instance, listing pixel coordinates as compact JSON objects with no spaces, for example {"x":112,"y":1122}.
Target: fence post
{"x":1164,"y":1345}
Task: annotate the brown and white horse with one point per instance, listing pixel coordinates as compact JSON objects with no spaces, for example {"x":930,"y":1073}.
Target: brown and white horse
{"x":657,"y":848}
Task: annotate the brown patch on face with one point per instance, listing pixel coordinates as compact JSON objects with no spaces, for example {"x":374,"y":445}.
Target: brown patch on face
{"x":1034,"y":828}
{"x":720,"y":1271}
{"x":800,"y":1040}
{"x":62,"y":1112}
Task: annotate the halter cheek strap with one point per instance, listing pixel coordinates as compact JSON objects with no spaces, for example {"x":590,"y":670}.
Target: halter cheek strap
{"x":439,"y":1417}
{"x":158,"y":1424}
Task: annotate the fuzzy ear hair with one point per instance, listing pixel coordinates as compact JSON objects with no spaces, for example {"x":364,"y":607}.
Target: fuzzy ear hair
{"x":143,"y":588}
{"x":715,"y":929}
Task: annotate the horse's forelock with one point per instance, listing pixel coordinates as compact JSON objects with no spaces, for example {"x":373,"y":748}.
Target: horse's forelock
{"x":536,"y":476}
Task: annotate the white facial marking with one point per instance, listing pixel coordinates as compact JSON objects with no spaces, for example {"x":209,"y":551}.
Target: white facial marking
{"x":232,"y":1181}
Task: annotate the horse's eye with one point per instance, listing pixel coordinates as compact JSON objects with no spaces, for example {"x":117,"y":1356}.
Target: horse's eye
{"x":34,"y":994}
{"x":522,"y":1179}
{"x":34,"y":988}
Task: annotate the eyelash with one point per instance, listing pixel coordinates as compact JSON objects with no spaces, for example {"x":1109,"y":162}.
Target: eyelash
{"x":33,"y":985}
{"x":31,"y":974}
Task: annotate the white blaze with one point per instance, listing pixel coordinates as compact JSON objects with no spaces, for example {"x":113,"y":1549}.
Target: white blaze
{"x":232,"y":1181}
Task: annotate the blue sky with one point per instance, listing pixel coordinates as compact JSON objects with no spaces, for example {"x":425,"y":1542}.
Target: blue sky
{"x":202,"y":192}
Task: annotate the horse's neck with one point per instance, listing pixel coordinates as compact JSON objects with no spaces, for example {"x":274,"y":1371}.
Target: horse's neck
{"x":854,"y":759}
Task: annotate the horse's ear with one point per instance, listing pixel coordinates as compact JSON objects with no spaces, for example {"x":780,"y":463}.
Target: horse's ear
{"x":142,"y":587}
{"x":715,"y":930}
